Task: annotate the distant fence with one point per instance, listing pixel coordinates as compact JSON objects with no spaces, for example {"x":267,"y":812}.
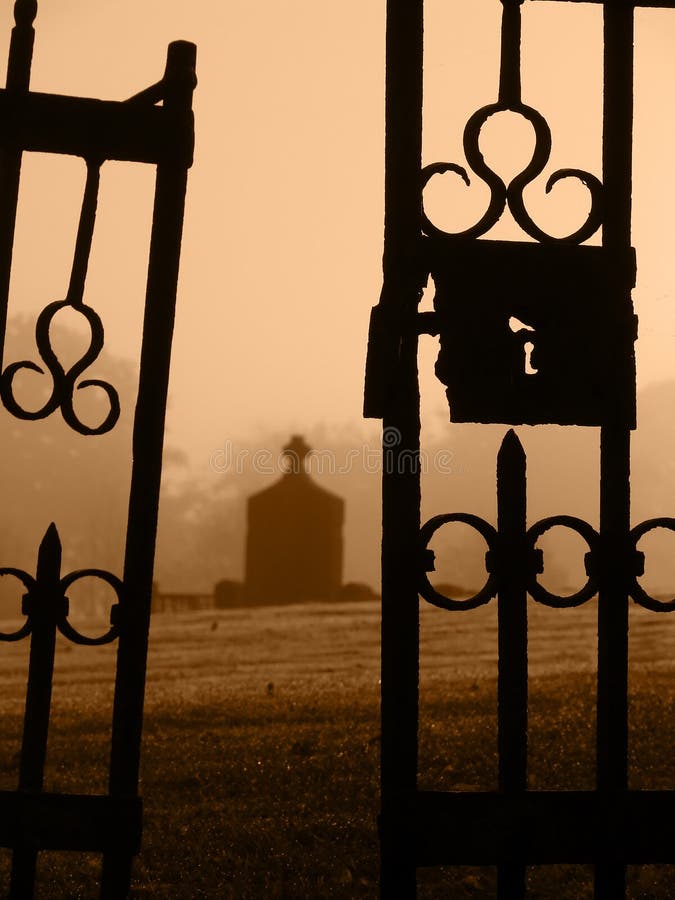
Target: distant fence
{"x":230,"y":594}
{"x":181,"y":602}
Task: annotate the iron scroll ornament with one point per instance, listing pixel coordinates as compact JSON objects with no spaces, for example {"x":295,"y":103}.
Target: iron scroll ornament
{"x":64,"y":381}
{"x":533,"y":562}
{"x":501,"y":195}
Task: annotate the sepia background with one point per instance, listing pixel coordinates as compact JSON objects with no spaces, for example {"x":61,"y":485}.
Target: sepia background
{"x":281,"y":264}
{"x":257,"y":718}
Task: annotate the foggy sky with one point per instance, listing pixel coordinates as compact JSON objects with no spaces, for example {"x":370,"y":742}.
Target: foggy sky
{"x":282,"y":249}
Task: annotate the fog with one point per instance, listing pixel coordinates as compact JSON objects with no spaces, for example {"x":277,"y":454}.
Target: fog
{"x":281,"y":262}
{"x":81,"y":483}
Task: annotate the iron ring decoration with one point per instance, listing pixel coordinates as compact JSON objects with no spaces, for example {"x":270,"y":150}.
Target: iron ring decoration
{"x":427,"y":590}
{"x":539,"y":593}
{"x":29,"y":583}
{"x":637,"y":592}
{"x":502,"y":195}
{"x":65,"y":627}
{"x":62,"y":623}
{"x":64,"y":382}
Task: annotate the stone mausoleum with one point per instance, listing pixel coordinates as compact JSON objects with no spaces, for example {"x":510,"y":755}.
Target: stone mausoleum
{"x":294,"y":542}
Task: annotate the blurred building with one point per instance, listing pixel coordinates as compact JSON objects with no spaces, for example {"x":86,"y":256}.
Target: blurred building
{"x":294,"y":543}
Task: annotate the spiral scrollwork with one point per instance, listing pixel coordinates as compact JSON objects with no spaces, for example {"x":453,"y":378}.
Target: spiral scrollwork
{"x":64,"y":382}
{"x":511,"y":195}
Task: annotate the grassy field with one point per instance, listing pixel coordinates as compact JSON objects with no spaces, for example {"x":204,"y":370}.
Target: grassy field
{"x":261,"y":744}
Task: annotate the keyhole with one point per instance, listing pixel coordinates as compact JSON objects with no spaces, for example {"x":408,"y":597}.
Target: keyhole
{"x":519,"y":328}
{"x":529,"y":368}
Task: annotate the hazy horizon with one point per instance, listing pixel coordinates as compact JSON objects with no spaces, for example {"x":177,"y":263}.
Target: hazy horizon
{"x":281,"y":259}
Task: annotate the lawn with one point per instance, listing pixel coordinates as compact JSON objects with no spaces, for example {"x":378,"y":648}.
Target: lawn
{"x":261,"y":744}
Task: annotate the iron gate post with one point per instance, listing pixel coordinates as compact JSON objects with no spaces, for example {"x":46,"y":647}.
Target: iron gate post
{"x":512,"y":641}
{"x":18,"y":80}
{"x":148,"y":440}
{"x":398,"y":401}
{"x":45,"y":603}
{"x":612,"y":690}
{"x":137,"y":130}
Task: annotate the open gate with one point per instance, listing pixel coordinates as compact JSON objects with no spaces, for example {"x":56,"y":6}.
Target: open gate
{"x":138,"y":130}
{"x":582,"y":377}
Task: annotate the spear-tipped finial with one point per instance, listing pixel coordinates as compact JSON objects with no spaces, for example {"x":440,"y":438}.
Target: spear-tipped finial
{"x":511,"y":476}
{"x":511,"y":450}
{"x":49,"y":556}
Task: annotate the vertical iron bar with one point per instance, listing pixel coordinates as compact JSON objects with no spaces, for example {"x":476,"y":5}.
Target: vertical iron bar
{"x":612,"y":722}
{"x":85,"y":233}
{"x":512,"y":640}
{"x":401,"y":435}
{"x":148,"y":439}
{"x":509,"y":74}
{"x":42,"y":604}
{"x":18,"y":81}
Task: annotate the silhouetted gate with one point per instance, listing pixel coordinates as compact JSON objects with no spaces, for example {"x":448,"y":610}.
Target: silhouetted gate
{"x":554,"y":322}
{"x":137,"y":130}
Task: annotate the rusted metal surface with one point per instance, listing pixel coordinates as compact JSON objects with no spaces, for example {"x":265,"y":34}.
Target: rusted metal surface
{"x":138,"y":131}
{"x":493,"y":301}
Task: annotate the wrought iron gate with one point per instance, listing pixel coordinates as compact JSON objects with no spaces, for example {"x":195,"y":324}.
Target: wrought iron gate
{"x":137,"y":130}
{"x":481,"y":288}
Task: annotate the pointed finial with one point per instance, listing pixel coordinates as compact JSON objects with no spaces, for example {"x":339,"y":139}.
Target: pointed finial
{"x":49,"y":555}
{"x":511,"y":479}
{"x":511,"y":486}
{"x":511,"y":448}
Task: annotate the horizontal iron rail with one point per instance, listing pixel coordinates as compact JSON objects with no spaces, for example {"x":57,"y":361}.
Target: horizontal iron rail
{"x":128,"y":131}
{"x":542,"y":827}
{"x":84,"y":822}
{"x":648,"y":4}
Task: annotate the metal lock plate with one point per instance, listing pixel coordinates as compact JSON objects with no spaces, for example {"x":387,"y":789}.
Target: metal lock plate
{"x":535,"y":333}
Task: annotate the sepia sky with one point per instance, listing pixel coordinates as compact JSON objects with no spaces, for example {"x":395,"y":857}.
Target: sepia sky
{"x":283,"y":232}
